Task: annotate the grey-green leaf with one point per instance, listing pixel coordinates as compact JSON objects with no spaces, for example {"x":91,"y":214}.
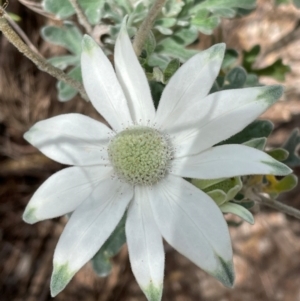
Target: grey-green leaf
{"x":213,"y":4}
{"x":67,"y":36}
{"x":62,"y":62}
{"x":61,"y":8}
{"x":256,"y":129}
{"x":206,"y":25}
{"x":235,"y":78}
{"x":292,"y":146}
{"x":150,"y":43}
{"x":279,"y":154}
{"x":101,"y":261}
{"x":66,"y":92}
{"x":230,"y":58}
{"x":171,"y":69}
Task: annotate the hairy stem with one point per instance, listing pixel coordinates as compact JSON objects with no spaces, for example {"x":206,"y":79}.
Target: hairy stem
{"x":280,"y":206}
{"x":41,"y":63}
{"x":20,"y":32}
{"x":81,"y":16}
{"x":143,"y":31}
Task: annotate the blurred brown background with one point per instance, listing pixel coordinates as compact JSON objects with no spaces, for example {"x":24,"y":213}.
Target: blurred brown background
{"x":266,"y":255}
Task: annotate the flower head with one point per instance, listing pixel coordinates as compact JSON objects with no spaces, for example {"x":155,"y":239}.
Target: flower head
{"x":139,"y":163}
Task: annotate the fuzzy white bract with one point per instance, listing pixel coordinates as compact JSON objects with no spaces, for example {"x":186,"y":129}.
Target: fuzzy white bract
{"x":139,"y":164}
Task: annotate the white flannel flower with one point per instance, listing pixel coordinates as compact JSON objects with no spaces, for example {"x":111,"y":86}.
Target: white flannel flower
{"x":138,"y":165}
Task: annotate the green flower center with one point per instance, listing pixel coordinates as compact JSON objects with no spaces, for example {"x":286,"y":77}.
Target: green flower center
{"x":140,"y":155}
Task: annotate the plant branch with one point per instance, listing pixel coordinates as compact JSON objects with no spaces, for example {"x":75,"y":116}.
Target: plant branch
{"x":143,"y":31}
{"x":20,"y":32}
{"x":41,"y":63}
{"x":279,"y":206}
{"x":81,"y":16}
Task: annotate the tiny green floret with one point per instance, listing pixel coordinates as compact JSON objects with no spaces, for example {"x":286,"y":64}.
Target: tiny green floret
{"x":140,"y":155}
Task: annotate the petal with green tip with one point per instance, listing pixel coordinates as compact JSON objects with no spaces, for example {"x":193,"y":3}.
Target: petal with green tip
{"x":29,"y":215}
{"x":133,"y":80}
{"x":225,"y":272}
{"x":92,"y":223}
{"x":61,"y":276}
{"x":102,"y":86}
{"x":218,"y":116}
{"x":64,"y":191}
{"x":145,"y":245}
{"x":190,"y":84}
{"x":152,"y":292}
{"x":238,"y":210}
{"x":227,"y":161}
{"x":193,"y":224}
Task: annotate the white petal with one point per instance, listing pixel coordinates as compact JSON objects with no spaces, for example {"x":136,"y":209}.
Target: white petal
{"x":71,"y":139}
{"x":227,"y":161}
{"x":145,"y":245}
{"x":190,"y":84}
{"x":88,"y":228}
{"x":102,"y":86}
{"x":133,"y":80}
{"x":63,"y":192}
{"x":219,"y":116}
{"x":193,"y":224}
{"x":239,"y":211}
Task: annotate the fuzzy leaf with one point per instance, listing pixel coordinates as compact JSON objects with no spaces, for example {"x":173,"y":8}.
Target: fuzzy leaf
{"x":171,"y":69}
{"x":66,"y":92}
{"x":279,"y":154}
{"x":63,"y":9}
{"x":291,"y":145}
{"x":205,"y":25}
{"x":220,"y":190}
{"x":150,"y":44}
{"x":67,"y":36}
{"x":256,"y":129}
{"x":101,"y":261}
{"x":277,"y":70}
{"x":238,"y":210}
{"x":252,"y":80}
{"x":62,"y":62}
{"x":258,"y":143}
{"x":214,"y":4}
{"x":230,"y":58}
{"x":235,"y":78}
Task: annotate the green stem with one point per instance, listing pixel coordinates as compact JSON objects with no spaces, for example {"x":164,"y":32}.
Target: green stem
{"x":146,"y":26}
{"x":40,"y":62}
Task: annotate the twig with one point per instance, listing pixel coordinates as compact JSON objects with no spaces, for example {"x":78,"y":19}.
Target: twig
{"x":146,"y":26}
{"x":279,"y":206}
{"x":41,"y":63}
{"x":21,"y":33}
{"x":81,"y":16}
